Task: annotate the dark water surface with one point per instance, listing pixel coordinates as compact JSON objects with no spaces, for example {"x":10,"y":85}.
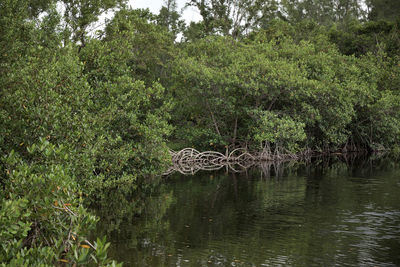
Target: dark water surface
{"x":329,"y":213}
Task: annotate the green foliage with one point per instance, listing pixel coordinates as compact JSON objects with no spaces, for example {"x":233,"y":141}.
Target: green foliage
{"x":373,"y":36}
{"x":87,"y":98}
{"x":170,"y":18}
{"x":220,"y":82}
{"x":43,"y":220}
{"x":325,"y":12}
{"x":283,"y":131}
{"x":132,"y":122}
{"x":80,"y":14}
{"x":231,"y":17}
{"x":147,"y":46}
{"x":112,"y":123}
{"x":383,"y":9}
{"x":209,"y":89}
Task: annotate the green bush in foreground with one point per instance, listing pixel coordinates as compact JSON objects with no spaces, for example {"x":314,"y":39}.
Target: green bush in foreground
{"x":42,"y":218}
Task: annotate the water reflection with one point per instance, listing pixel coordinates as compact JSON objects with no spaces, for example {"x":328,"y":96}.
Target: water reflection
{"x":329,"y":213}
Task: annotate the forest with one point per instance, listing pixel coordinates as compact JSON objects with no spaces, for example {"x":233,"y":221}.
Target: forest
{"x":86,"y":110}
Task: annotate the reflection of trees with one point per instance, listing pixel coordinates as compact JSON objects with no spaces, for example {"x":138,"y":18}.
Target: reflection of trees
{"x":291,"y":214}
{"x":207,"y":208}
{"x":339,"y":192}
{"x":124,"y":204}
{"x":125,"y":209}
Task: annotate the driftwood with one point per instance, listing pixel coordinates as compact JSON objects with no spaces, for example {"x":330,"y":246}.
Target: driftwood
{"x":190,"y":160}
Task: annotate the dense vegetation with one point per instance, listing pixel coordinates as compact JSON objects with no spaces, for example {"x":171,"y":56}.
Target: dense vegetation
{"x":85,"y":111}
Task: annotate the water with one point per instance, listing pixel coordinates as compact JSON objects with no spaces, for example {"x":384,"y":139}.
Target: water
{"x":330,"y":213}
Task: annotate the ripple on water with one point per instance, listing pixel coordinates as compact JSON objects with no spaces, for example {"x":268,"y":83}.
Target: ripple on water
{"x":324,"y":221}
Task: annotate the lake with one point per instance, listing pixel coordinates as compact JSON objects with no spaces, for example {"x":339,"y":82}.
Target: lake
{"x":330,"y":212}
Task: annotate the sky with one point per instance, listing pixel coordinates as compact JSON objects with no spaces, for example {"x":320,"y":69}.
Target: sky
{"x":188,"y":14}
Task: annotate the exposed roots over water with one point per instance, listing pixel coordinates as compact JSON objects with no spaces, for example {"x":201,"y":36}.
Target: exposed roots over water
{"x":190,"y":161}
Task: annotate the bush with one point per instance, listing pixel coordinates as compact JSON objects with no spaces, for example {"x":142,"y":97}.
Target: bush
{"x":42,"y":217}
{"x":282,"y":131}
